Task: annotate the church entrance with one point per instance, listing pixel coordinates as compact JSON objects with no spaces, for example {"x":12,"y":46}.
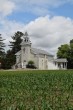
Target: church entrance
{"x":24,"y":64}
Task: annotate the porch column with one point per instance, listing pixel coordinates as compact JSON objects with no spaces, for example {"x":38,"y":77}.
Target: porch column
{"x":22,"y":57}
{"x":61,"y":65}
{"x":66,"y":65}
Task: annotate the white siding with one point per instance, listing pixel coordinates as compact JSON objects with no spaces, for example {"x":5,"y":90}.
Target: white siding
{"x":43,"y":62}
{"x":52,"y":66}
{"x":34,"y":58}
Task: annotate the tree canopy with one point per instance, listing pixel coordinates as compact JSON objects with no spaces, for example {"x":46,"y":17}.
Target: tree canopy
{"x":63,"y":51}
{"x":15,"y":43}
{"x":2,"y":51}
{"x":2,"y":45}
{"x":66,"y":51}
{"x":15,"y":46}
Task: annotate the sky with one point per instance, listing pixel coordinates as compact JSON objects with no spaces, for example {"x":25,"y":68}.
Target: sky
{"x":49,"y":23}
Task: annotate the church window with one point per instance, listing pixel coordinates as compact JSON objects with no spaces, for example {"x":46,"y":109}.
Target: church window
{"x":24,"y":49}
{"x":42,"y":62}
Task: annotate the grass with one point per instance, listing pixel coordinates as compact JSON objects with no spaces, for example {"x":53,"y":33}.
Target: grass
{"x":36,"y":90}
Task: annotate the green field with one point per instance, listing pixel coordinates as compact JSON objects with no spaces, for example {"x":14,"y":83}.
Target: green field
{"x":36,"y":90}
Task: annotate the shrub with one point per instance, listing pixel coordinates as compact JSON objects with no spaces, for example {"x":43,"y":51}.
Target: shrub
{"x":31,"y":65}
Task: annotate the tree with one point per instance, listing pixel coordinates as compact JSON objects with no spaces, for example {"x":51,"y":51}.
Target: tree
{"x":15,"y":44}
{"x":63,"y":51}
{"x":66,"y":51}
{"x":15,"y":47}
{"x":2,"y":45}
{"x":2,"y":52}
{"x":9,"y":60}
{"x":70,"y":55}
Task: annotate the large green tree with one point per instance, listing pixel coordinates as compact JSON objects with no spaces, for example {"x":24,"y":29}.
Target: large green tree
{"x":63,"y":51}
{"x":66,"y":51}
{"x":2,"y":45}
{"x":15,"y":47}
{"x":15,"y":43}
{"x":2,"y":51}
{"x":9,"y":60}
{"x":70,"y":55}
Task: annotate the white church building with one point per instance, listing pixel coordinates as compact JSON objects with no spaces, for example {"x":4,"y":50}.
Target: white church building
{"x":42,"y":59}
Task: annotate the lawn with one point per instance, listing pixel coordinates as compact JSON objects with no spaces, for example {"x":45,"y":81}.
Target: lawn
{"x":36,"y":90}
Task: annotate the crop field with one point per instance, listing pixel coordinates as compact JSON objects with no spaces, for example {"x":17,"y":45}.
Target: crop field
{"x":36,"y":90}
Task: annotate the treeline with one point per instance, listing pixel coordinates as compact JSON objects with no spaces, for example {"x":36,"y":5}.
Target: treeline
{"x":7,"y":59}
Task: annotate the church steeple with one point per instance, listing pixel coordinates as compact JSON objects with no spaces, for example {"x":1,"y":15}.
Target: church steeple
{"x":25,"y":49}
{"x":26,"y":40}
{"x":26,"y":34}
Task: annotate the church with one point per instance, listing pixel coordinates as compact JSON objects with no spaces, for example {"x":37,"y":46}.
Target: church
{"x":28,"y":53}
{"x":41,"y":58}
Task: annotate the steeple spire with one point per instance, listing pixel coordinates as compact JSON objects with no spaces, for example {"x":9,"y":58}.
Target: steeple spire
{"x":26,"y":34}
{"x":26,"y":39}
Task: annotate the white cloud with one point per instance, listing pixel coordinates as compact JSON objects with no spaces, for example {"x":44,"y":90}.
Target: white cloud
{"x":45,"y":32}
{"x":39,"y":7}
{"x":51,"y":30}
{"x":6,"y":7}
{"x":42,"y":2}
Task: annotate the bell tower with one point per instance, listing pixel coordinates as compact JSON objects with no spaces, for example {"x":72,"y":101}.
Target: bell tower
{"x":25,"y":50}
{"x":26,"y":39}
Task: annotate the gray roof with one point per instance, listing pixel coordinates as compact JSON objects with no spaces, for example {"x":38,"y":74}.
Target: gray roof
{"x":39,"y":51}
{"x":60,"y":60}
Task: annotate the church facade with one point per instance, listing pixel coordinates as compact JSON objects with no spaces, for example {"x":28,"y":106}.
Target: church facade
{"x":28,"y":53}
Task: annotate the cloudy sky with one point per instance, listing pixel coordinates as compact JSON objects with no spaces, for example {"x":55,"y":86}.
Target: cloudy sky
{"x":49,"y":23}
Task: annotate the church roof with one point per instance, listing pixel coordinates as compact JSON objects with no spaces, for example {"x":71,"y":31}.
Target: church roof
{"x":60,"y":60}
{"x":39,"y":51}
{"x":36,"y":51}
